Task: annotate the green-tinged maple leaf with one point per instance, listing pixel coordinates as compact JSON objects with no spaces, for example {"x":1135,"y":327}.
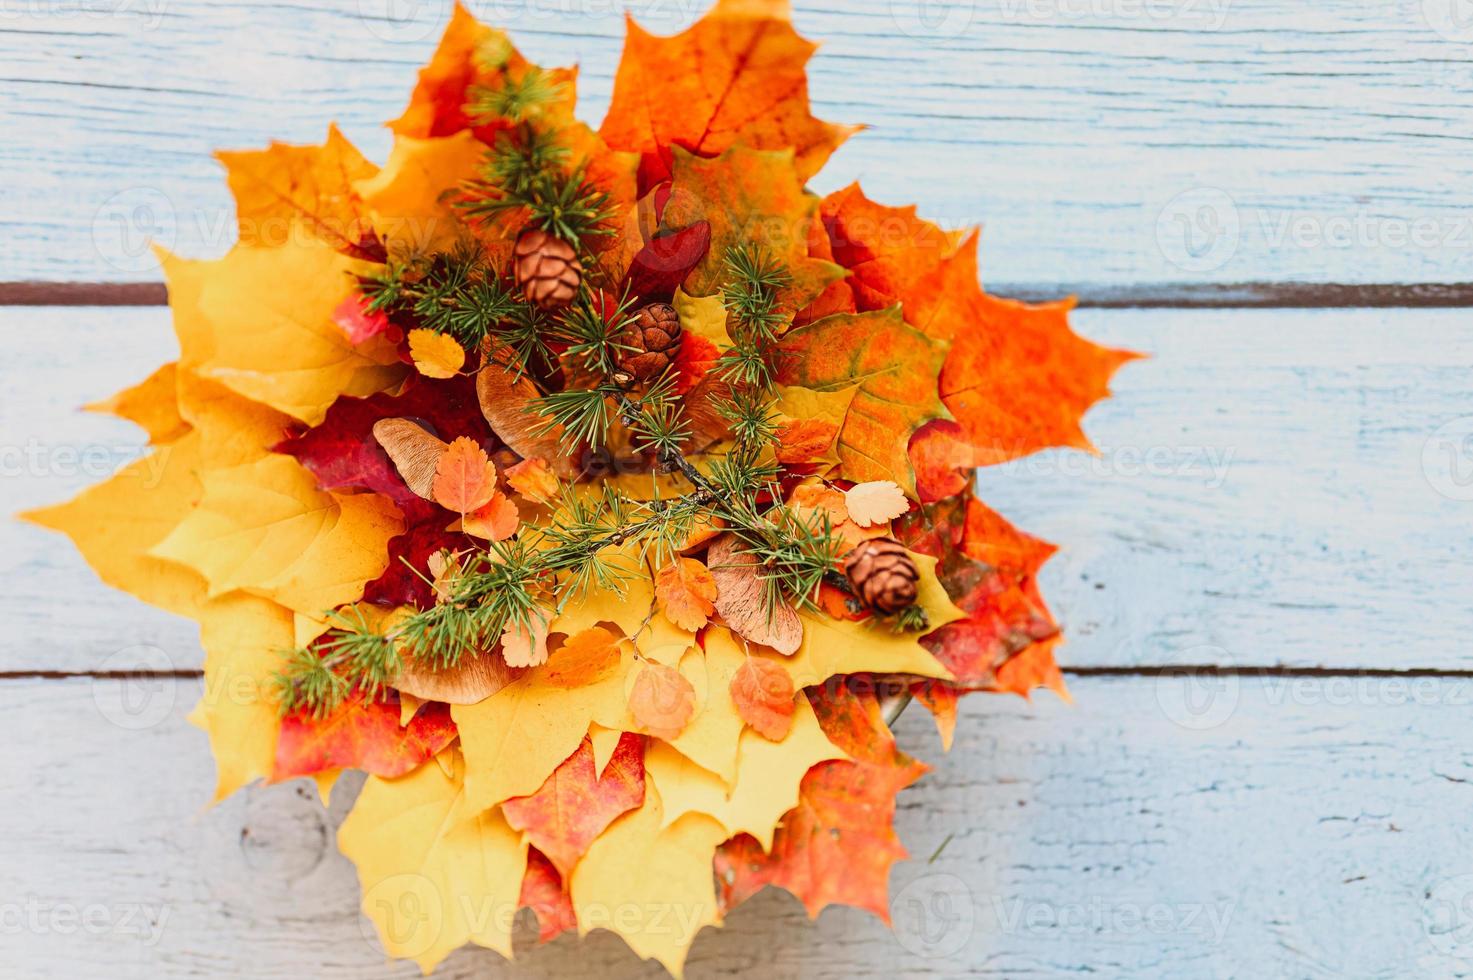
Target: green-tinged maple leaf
{"x":895,"y":367}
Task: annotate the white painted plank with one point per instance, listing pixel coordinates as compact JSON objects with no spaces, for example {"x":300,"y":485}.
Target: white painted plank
{"x":1275,"y":487}
{"x":1103,"y":143}
{"x":1313,"y":830}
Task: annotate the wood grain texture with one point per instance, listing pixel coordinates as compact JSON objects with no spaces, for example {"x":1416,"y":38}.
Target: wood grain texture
{"x":1273,"y":488}
{"x":1108,"y":143}
{"x":1288,"y":831}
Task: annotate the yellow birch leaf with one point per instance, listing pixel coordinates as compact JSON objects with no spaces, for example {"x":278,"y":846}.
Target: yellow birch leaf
{"x":152,"y":405}
{"x":432,"y":883}
{"x":655,"y":888}
{"x":264,"y":527}
{"x":243,"y":637}
{"x":839,"y":646}
{"x":435,"y":355}
{"x":515,"y":738}
{"x":268,"y":313}
{"x":767,"y":778}
{"x":409,"y":200}
{"x":114,"y":524}
{"x":703,"y":316}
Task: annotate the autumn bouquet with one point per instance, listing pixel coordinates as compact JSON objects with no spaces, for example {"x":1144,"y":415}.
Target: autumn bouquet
{"x":591,"y":490}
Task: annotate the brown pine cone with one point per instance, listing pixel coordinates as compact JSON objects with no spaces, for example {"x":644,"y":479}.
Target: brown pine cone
{"x":650,"y":342}
{"x":883,"y":574}
{"x":547,"y":269}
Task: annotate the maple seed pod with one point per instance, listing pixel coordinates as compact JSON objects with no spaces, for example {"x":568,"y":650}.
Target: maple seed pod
{"x":650,"y":342}
{"x":547,"y":269}
{"x":883,"y":574}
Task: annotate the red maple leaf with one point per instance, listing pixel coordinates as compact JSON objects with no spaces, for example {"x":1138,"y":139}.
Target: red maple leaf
{"x":837,"y":845}
{"x":576,"y":803}
{"x":363,"y":735}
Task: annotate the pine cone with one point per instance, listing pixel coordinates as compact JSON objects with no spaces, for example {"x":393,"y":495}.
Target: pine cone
{"x":547,"y":269}
{"x":883,"y":573}
{"x":651,"y":342}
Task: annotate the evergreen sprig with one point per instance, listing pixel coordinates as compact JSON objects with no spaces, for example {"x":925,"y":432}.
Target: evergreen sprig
{"x":526,"y":171}
{"x":583,"y":549}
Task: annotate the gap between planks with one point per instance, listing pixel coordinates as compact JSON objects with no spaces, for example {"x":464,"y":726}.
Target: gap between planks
{"x":1248,"y":295}
{"x":1144,"y":670}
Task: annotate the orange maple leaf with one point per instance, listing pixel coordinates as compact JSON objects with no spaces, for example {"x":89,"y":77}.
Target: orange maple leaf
{"x":685,"y":591}
{"x":736,"y":75}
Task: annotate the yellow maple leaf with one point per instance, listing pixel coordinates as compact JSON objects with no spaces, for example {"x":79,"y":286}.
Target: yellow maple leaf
{"x":814,"y":411}
{"x":264,"y":527}
{"x":628,"y":611}
{"x":259,"y":321}
{"x":711,"y":737}
{"x":653,"y":887}
{"x":840,"y":646}
{"x":515,"y":738}
{"x":767,"y":779}
{"x":285,"y":190}
{"x":431,"y":882}
{"x":152,"y":405}
{"x":116,"y":523}
{"x":243,"y":637}
{"x":435,"y":355}
{"x":409,"y":200}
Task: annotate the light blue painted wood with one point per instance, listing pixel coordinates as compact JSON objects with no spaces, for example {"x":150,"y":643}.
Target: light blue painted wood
{"x":1308,"y":828}
{"x":1106,"y":142}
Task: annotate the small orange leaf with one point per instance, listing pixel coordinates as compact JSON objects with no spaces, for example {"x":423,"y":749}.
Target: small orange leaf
{"x":465,"y":477}
{"x":496,"y":520}
{"x":804,"y":440}
{"x":763,"y":694}
{"x":875,"y":502}
{"x":436,"y":355}
{"x":585,"y":658}
{"x":685,"y":591}
{"x":526,"y":645}
{"x":662,"y":701}
{"x":534,"y":479}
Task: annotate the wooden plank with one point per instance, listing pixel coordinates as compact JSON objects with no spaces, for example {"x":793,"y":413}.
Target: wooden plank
{"x":1274,"y":487}
{"x":1189,"y":141}
{"x":1315,"y":829}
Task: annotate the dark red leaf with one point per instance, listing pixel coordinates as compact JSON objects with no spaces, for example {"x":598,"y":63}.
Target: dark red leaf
{"x":662,"y":265}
